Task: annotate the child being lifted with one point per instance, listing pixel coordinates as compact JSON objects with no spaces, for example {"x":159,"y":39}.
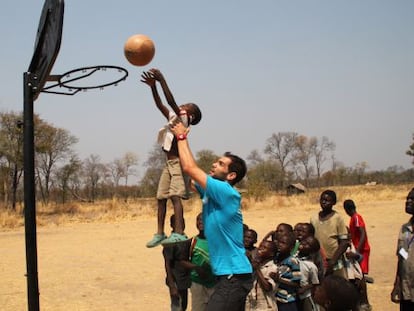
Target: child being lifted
{"x":171,"y":184}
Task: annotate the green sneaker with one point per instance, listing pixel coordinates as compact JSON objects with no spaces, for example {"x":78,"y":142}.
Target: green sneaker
{"x":156,"y":240}
{"x":174,"y":238}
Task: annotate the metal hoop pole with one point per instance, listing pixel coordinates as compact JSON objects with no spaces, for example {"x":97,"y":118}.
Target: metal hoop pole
{"x":30,"y":195}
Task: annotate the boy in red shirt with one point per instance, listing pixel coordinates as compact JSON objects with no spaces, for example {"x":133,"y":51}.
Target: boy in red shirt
{"x":359,"y":235}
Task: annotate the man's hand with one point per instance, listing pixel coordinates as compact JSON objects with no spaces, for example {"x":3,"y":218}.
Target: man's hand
{"x":177,"y":127}
{"x":148,"y":78}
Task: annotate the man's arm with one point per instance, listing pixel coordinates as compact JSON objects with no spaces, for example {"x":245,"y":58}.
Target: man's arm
{"x":188,"y":163}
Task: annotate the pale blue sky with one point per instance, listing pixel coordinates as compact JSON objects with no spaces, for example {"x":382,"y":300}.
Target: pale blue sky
{"x":341,"y":69}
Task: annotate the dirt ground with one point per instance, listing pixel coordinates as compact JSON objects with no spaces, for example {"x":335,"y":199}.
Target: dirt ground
{"x":106,"y":266}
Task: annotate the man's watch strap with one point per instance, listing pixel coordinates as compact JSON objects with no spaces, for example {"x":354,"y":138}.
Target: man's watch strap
{"x":182,"y":136}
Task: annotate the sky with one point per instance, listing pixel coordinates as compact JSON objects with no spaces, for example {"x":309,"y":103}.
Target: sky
{"x":340,"y":69}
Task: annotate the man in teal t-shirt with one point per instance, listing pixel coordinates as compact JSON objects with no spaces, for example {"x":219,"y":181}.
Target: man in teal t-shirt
{"x":223,"y":223}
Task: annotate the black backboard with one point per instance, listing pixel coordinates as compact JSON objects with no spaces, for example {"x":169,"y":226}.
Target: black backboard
{"x":47,"y":45}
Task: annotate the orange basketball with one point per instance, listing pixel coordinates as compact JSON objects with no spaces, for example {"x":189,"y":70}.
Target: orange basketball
{"x":139,"y":50}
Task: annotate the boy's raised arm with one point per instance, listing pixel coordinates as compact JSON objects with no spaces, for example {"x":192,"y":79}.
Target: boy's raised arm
{"x":148,"y":79}
{"x":167,"y":93}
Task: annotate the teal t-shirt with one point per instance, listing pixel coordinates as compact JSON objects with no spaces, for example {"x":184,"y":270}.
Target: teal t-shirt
{"x":223,"y":227}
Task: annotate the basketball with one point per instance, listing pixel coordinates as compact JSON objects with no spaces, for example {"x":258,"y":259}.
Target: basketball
{"x":139,"y":50}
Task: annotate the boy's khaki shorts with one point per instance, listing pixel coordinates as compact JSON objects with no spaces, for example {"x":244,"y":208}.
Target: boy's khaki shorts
{"x":171,"y":181}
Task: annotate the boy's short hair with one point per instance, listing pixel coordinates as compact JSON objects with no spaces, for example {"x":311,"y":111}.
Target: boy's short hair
{"x":237,"y":165}
{"x":195,"y":113}
{"x":330,"y":193}
{"x":309,"y":228}
{"x":172,"y":222}
{"x":251,"y":231}
{"x":290,"y":237}
{"x":286,"y":225}
{"x":349,"y":205}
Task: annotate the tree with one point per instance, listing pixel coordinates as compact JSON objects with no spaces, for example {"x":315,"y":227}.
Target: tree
{"x":410,"y":151}
{"x":154,"y":163}
{"x":359,"y":171}
{"x":280,"y":147}
{"x":67,"y":177}
{"x":11,"y":155}
{"x":263,"y":177}
{"x":117,"y":171}
{"x":52,"y":145}
{"x":129,"y":160}
{"x":205,"y":158}
{"x":254,"y":158}
{"x":304,"y":150}
{"x":94,"y":172}
{"x":320,"y":150}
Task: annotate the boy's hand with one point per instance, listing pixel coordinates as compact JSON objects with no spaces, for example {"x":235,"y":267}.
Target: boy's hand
{"x":351,"y":255}
{"x":201,"y":271}
{"x":396,"y":294}
{"x":174,"y":291}
{"x":156,"y":74}
{"x":148,"y":78}
{"x":275,"y":276}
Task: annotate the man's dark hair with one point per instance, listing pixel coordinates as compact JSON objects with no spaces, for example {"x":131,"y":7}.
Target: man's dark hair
{"x":237,"y":166}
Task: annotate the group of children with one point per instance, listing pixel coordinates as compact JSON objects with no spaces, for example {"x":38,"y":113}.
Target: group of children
{"x":294,"y":272}
{"x":300,"y":268}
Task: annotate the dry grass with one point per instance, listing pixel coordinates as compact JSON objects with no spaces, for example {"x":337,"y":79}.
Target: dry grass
{"x":310,"y":199}
{"x":117,"y":210}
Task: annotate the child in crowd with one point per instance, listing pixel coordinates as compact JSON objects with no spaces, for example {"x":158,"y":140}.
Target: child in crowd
{"x":319,"y":257}
{"x":281,"y":229}
{"x":336,"y":294}
{"x":288,"y":275}
{"x":298,"y":230}
{"x":358,"y":234}
{"x":402,"y":292}
{"x":171,"y":184}
{"x":331,"y":232}
{"x":354,"y":274}
{"x":250,"y":239}
{"x":262,"y":295}
{"x":198,"y":262}
{"x":177,"y":277}
{"x":309,"y":273}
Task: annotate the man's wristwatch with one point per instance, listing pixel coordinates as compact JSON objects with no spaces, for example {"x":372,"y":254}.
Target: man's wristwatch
{"x":182,"y":136}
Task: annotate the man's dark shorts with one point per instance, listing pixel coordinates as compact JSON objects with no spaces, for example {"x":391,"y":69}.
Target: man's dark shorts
{"x":230,"y":292}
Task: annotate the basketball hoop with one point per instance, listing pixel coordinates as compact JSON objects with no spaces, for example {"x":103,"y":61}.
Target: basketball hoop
{"x":93,"y":77}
